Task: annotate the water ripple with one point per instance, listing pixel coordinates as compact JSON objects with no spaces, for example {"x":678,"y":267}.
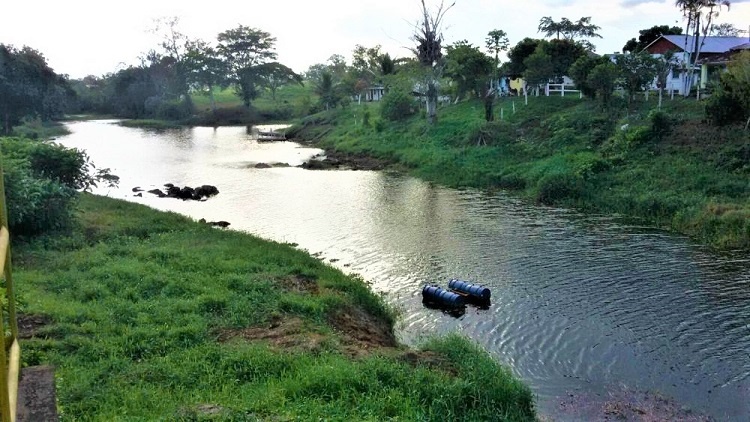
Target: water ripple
{"x":580,"y":303}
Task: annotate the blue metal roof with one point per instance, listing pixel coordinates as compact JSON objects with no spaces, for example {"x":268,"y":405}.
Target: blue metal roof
{"x":710,"y":44}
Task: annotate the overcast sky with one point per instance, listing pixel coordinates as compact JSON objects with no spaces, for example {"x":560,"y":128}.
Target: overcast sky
{"x":82,"y":37}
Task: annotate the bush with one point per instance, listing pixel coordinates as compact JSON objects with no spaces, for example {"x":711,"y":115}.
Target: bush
{"x":556,"y":187}
{"x":41,"y":179}
{"x":174,"y":110}
{"x":722,"y":109}
{"x":661,"y":124}
{"x":397,"y":105}
{"x":48,"y":160}
{"x":35,"y":204}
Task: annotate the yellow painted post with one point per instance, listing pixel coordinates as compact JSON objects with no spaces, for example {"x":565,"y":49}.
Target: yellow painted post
{"x":9,"y":369}
{"x":4,"y":396}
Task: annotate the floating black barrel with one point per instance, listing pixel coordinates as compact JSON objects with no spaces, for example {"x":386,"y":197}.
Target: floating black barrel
{"x":436,"y":295}
{"x":473,"y":290}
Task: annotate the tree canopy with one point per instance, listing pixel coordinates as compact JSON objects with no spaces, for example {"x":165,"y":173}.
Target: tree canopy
{"x":246,"y":52}
{"x":647,"y":36}
{"x":468,"y":67}
{"x":29,"y":87}
{"x":582,"y":28}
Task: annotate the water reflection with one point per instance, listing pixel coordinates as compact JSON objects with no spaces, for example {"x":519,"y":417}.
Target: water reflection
{"x":581,"y":304}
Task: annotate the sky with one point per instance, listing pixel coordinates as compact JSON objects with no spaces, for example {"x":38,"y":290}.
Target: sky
{"x":87,"y":37}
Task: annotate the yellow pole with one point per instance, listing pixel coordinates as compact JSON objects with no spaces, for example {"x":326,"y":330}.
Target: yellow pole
{"x":7,"y":268}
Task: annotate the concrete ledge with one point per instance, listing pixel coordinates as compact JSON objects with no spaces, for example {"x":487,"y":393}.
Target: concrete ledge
{"x":36,"y":395}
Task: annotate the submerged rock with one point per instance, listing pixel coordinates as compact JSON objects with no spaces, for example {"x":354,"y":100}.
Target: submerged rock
{"x":200,"y":193}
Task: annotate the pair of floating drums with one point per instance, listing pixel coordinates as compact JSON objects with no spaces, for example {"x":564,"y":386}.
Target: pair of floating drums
{"x":458,"y":294}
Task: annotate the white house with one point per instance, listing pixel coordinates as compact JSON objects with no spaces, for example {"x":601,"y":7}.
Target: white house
{"x":714,"y":54}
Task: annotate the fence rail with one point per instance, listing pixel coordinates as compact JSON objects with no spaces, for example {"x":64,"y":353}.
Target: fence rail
{"x":10,"y":353}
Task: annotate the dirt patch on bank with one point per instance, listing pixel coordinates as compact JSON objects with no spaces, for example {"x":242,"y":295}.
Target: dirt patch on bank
{"x":430,"y":359}
{"x":280,"y":333}
{"x":300,"y":283}
{"x":335,"y":160}
{"x":30,"y":324}
{"x":362,"y":333}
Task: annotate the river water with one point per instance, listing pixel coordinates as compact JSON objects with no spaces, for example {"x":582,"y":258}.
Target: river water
{"x":583,"y":306}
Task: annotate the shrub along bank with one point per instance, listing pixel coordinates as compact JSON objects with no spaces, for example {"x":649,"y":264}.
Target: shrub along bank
{"x":667,"y":168}
{"x":149,"y":315}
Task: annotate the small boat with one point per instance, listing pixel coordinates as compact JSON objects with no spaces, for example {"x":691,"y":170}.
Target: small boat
{"x":271,"y":136}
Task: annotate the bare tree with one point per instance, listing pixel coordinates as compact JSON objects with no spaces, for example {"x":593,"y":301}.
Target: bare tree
{"x":429,"y":51}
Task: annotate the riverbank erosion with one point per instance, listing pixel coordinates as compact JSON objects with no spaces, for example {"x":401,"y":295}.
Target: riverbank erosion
{"x":666,"y":168}
{"x":155,"y":316}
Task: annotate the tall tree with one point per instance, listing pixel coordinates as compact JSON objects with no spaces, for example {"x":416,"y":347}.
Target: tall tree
{"x":175,"y":44}
{"x":496,"y":41}
{"x":637,"y":72}
{"x":580,"y":71}
{"x":429,"y":52}
{"x":563,"y":53}
{"x":603,"y":80}
{"x":647,"y":36}
{"x":664,"y":65}
{"x":245,"y":50}
{"x":699,"y":16}
{"x":582,"y":28}
{"x":468,"y":67}
{"x":327,"y":90}
{"x":724,"y":30}
{"x":28,"y":87}
{"x":539,"y":68}
{"x":365,"y":70}
{"x":205,"y":68}
{"x":275,"y":75}
{"x":520,"y":52}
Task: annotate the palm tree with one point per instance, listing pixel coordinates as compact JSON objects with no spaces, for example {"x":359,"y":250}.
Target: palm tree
{"x":699,"y":14}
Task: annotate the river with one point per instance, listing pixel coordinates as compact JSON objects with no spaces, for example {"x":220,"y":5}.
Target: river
{"x":584,"y":307}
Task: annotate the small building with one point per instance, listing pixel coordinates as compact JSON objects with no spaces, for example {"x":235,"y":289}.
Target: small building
{"x":375,"y":93}
{"x":714,"y":54}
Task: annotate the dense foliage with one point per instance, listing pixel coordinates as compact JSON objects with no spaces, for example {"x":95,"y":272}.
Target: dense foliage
{"x":41,"y":179}
{"x":647,"y":36}
{"x":731,"y":102}
{"x":29,"y":88}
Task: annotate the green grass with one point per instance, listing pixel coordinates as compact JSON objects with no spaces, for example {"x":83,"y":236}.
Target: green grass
{"x":569,"y":152}
{"x":37,"y":129}
{"x":290,"y":101}
{"x":140,"y":306}
{"x":151,"y":124}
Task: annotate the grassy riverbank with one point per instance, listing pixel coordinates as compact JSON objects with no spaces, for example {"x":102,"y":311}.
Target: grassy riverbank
{"x":666,"y":169}
{"x":37,"y":129}
{"x":289,"y":102}
{"x":149,"y":315}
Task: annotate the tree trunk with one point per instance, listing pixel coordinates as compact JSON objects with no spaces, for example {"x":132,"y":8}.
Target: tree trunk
{"x":660,"y":97}
{"x":213,"y":100}
{"x":431,"y":103}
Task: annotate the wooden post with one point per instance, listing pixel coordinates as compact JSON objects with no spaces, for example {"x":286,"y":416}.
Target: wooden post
{"x":514,"y":107}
